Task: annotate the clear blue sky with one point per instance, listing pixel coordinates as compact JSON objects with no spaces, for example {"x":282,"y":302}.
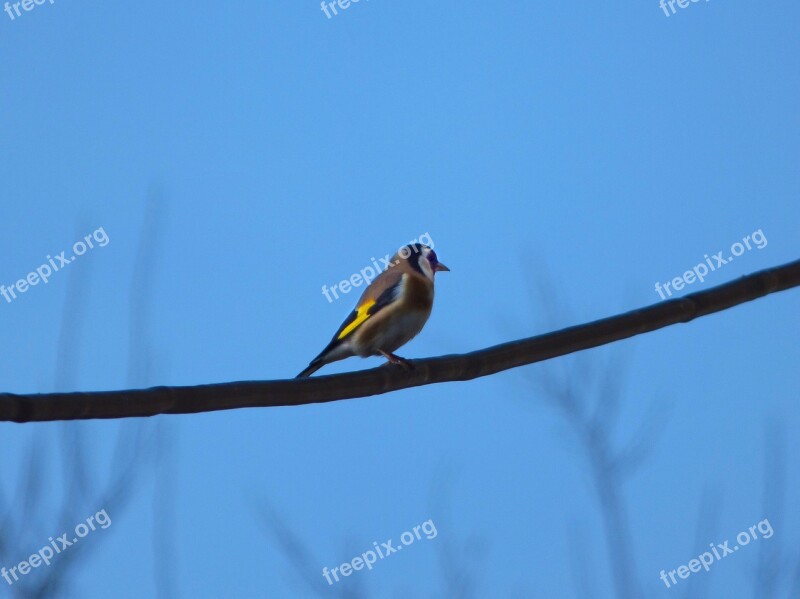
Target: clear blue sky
{"x":597,"y":147}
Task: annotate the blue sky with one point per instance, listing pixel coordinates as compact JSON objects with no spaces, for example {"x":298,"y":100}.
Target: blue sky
{"x":592,"y":148}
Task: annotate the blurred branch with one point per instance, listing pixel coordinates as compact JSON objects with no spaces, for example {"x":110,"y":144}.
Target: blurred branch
{"x":23,"y":521}
{"x":771,"y":561}
{"x":142,"y":370}
{"x":462,"y":559}
{"x":225,"y":396}
{"x":607,"y":465}
{"x":300,"y":556}
{"x":708,"y":516}
{"x":589,"y":396}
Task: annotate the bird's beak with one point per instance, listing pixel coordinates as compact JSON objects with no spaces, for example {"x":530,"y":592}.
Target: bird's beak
{"x":440,"y":266}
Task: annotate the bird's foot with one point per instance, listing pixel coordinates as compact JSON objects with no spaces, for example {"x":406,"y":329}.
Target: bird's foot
{"x":393,"y":359}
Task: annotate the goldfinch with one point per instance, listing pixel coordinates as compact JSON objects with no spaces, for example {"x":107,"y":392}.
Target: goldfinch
{"x":391,"y":312}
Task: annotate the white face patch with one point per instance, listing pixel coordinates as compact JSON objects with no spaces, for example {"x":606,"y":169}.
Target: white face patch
{"x":425,"y":264}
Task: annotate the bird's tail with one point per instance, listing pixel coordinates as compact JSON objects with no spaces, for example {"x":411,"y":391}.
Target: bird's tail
{"x":335,"y":351}
{"x":315,"y":365}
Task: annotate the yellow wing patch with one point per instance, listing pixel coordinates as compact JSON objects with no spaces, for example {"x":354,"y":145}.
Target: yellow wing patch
{"x":362,"y":314}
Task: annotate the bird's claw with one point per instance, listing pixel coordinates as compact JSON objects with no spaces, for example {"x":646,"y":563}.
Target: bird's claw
{"x":393,"y":359}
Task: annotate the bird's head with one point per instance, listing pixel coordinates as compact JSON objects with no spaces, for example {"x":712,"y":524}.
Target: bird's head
{"x":421,"y":258}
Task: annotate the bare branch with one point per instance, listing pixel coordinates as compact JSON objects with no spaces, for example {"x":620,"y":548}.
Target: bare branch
{"x":226,"y":396}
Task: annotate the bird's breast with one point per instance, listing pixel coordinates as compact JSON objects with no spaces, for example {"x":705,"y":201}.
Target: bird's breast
{"x":397,"y":324}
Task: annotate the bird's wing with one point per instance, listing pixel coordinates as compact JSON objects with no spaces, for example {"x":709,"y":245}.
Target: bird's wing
{"x":384,"y":291}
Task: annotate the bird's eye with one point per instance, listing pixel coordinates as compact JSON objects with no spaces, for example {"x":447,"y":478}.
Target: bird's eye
{"x":432,"y":257}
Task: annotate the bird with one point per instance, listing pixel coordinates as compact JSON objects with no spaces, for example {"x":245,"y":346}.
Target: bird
{"x":390,"y":313}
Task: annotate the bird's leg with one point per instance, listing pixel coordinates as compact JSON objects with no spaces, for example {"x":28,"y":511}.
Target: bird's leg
{"x":396,"y":359}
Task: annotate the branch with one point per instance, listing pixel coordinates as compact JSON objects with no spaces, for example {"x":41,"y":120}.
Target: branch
{"x":463,"y":367}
